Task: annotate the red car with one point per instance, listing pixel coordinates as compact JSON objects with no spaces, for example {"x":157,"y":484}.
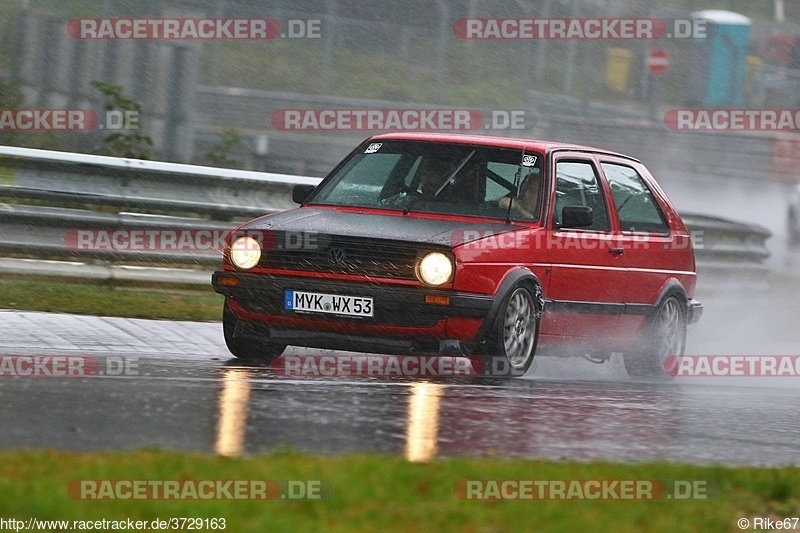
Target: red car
{"x":492,"y":247}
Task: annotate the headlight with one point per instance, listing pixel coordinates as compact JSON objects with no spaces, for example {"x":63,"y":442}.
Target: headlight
{"x":435,"y":268}
{"x":245,"y":253}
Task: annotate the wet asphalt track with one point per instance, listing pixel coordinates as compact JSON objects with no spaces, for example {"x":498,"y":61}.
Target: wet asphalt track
{"x":185,"y":393}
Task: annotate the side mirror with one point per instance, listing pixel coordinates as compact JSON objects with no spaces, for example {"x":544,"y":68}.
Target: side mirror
{"x":576,"y":216}
{"x":300,"y":193}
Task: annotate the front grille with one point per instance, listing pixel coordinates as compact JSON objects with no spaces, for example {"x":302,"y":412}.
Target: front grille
{"x":346,"y":255}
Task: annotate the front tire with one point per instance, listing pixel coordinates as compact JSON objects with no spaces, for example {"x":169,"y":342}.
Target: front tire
{"x":247,"y":348}
{"x":515,"y":334}
{"x":664,"y":345}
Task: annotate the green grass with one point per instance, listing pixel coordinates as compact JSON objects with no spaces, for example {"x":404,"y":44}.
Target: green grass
{"x":95,"y":298}
{"x":375,"y":493}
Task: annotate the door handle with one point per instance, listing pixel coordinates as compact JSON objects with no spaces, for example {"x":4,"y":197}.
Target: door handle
{"x":616,"y":252}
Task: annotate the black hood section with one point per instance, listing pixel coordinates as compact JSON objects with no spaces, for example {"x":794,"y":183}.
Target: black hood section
{"x":394,"y":227}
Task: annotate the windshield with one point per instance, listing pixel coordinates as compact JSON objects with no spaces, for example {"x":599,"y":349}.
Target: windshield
{"x":438,"y":178}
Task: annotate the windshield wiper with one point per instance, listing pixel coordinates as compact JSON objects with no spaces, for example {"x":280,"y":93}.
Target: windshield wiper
{"x":444,"y":184}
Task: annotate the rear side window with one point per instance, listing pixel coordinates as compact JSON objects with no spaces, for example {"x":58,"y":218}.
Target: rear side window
{"x":636,"y":206}
{"x":577,"y":184}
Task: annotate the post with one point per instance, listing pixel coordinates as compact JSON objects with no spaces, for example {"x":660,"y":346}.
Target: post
{"x":572,"y":52}
{"x":330,"y":40}
{"x":216,"y":51}
{"x":444,"y":19}
{"x":541,"y":48}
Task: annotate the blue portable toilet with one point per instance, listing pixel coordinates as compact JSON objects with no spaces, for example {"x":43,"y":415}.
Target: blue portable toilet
{"x":718,"y":70}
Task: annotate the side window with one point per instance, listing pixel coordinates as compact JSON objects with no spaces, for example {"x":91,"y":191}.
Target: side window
{"x":577,"y":184}
{"x":636,"y":206}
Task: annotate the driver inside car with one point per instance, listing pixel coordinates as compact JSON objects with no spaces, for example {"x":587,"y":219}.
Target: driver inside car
{"x":432,"y":174}
{"x":526,"y":205}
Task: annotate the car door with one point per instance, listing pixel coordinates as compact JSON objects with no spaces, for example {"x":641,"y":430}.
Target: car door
{"x":654,"y":252}
{"x":586,"y":289}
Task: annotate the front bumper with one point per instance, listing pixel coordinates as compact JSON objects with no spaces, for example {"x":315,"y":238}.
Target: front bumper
{"x":399,"y":311}
{"x":694,"y":311}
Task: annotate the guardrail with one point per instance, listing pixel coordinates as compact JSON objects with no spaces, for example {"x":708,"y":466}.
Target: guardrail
{"x":728,"y":252}
{"x":135,"y":184}
{"x":52,"y":233}
{"x":724,"y":249}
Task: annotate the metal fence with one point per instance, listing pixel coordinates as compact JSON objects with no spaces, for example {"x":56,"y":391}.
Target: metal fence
{"x":404,"y":52}
{"x":724,"y":154}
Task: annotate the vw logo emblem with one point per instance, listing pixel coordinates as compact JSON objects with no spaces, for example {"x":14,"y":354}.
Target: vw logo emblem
{"x":336,"y":256}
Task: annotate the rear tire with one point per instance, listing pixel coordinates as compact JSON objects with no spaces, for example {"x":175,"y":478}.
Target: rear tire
{"x":514,"y":336}
{"x":247,"y":348}
{"x":660,"y":353}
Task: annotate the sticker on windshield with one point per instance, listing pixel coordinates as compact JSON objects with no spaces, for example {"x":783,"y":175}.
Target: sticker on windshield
{"x":372,"y":148}
{"x":528,"y":160}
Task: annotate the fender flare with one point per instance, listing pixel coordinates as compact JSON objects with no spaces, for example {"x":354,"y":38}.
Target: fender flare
{"x":511,"y":280}
{"x":671,"y":288}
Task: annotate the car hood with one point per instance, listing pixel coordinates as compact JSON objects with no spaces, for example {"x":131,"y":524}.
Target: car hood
{"x":392,"y":227}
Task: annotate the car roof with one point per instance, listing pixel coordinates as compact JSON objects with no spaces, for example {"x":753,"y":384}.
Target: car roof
{"x":496,"y":142}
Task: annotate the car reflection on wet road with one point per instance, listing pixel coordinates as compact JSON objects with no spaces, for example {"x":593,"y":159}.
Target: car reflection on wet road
{"x":511,"y":418}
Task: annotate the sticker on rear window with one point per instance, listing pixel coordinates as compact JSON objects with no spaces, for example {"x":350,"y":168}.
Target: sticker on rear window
{"x":528,"y":160}
{"x":372,"y":148}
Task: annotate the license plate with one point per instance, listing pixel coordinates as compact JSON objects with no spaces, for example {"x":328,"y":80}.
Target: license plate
{"x":334,"y":304}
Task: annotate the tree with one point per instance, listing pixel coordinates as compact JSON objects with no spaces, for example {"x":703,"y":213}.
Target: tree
{"x":220,"y":154}
{"x":134,"y":145}
{"x":12,"y":98}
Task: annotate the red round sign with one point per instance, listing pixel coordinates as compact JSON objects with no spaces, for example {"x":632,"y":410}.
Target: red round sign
{"x":657,"y":61}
